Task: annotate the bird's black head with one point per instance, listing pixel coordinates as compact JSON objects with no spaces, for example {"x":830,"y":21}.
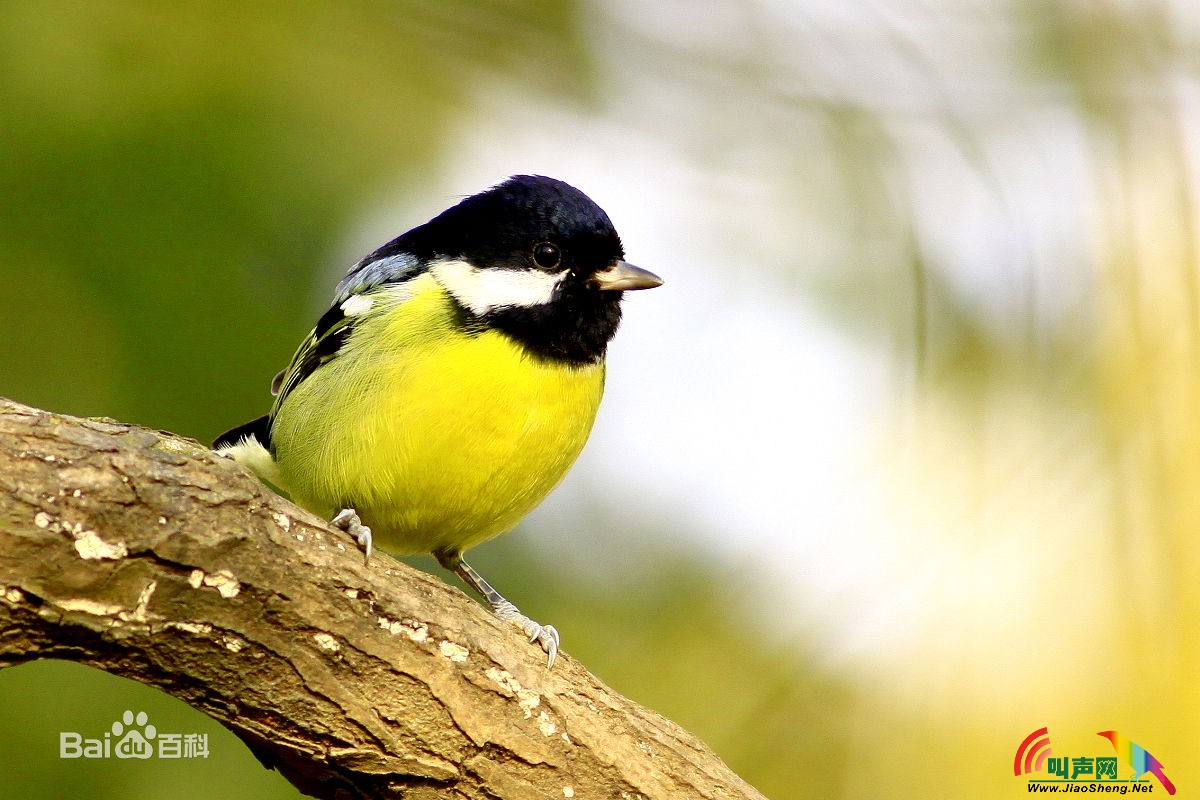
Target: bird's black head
{"x":535,"y":258}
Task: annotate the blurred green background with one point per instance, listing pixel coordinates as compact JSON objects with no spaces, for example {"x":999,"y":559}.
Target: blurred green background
{"x":900,"y":465}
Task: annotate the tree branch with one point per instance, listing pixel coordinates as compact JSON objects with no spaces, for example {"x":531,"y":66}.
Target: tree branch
{"x":146,"y":555}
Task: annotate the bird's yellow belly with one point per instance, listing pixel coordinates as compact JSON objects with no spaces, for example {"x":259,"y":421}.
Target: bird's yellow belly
{"x":438,"y":445}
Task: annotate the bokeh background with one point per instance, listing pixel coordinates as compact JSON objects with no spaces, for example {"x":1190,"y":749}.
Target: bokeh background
{"x":901,"y":464}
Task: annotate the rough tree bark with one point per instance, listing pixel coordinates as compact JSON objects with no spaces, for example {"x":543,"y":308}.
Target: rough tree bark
{"x":146,"y":555}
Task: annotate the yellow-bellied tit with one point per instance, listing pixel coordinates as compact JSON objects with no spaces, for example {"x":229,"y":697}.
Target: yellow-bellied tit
{"x":454,"y":380}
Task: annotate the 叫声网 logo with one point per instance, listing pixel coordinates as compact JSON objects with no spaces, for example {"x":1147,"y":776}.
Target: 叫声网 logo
{"x":132,"y":736}
{"x":1088,"y":773}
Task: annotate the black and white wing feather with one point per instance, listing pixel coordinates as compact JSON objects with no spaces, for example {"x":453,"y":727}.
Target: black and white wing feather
{"x":352,"y":299}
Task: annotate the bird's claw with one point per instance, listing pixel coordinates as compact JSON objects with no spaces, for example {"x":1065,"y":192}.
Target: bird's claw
{"x":347,"y":519}
{"x":544,"y":635}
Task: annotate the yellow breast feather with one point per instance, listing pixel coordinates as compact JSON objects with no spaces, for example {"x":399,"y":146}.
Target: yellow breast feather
{"x":439,"y":437}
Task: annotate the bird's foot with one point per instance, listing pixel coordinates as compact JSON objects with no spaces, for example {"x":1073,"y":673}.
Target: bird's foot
{"x":347,"y":519}
{"x":545,"y":635}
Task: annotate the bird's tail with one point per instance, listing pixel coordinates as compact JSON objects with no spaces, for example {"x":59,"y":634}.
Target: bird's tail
{"x":256,"y":429}
{"x":250,"y":445}
{"x":1156,"y":769}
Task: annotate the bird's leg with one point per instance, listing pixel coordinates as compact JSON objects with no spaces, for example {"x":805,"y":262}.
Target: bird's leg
{"x":347,"y":519}
{"x":545,"y":635}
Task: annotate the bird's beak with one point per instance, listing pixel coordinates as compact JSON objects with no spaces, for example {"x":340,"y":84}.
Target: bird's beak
{"x":623,"y":276}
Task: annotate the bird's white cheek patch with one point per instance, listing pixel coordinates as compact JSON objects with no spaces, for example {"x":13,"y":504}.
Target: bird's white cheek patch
{"x":484,"y":290}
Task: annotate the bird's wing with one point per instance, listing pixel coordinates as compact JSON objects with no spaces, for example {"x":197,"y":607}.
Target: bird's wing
{"x":378,"y":269}
{"x":319,"y":347}
{"x":352,"y":300}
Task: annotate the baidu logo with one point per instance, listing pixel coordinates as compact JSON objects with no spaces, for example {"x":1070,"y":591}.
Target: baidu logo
{"x":132,"y":736}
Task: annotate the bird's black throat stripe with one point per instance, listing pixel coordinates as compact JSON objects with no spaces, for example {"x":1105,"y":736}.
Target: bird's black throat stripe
{"x":574,"y":329}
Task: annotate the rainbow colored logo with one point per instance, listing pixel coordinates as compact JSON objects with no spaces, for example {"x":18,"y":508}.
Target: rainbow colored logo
{"x":1136,"y":756}
{"x":1034,"y":755}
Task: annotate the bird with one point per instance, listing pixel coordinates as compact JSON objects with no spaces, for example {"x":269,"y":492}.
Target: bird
{"x":453,"y":380}
{"x":1136,"y":757}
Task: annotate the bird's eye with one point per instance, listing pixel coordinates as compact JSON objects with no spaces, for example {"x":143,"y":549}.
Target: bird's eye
{"x":546,"y":255}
